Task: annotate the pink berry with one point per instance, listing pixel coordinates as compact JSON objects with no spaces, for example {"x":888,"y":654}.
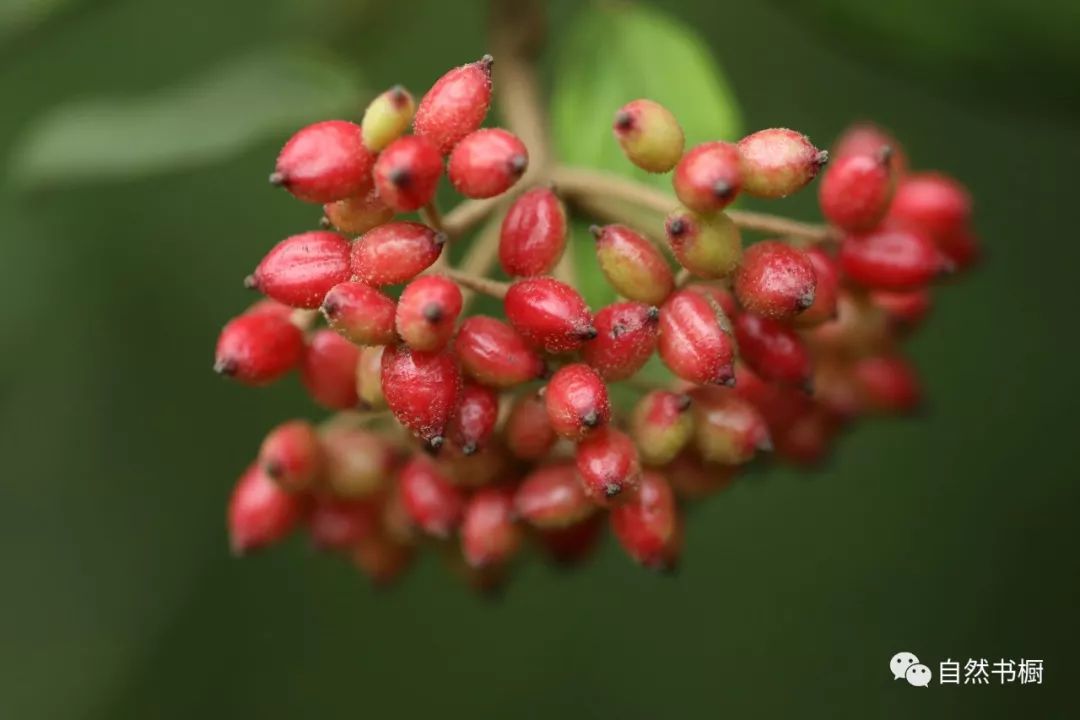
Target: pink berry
{"x":487,"y":163}
{"x":775,"y":280}
{"x":632,"y":264}
{"x":325,"y":162}
{"x":533,"y":234}
{"x":553,"y":497}
{"x":772,"y":349}
{"x":395,"y":253}
{"x":427,"y":312}
{"x":932,"y":203}
{"x":647,"y":525}
{"x":549,"y":314}
{"x":856,"y":190}
{"x":626,"y":339}
{"x":887,"y":384}
{"x":866,"y":139}
{"x":455,"y":105}
{"x":906,"y":308}
{"x":608,"y":464}
{"x":778,"y":162}
{"x":360,"y":313}
{"x":337,"y":524}
{"x":488,"y":534}
{"x":528,"y":431}
{"x":291,"y":456}
{"x":577,"y":401}
{"x":891,"y":259}
{"x":494,"y":354}
{"x":709,"y":177}
{"x":421,"y":390}
{"x":693,"y":343}
{"x":300,"y":269}
{"x":407,"y":173}
{"x":258,"y":348}
{"x":432,"y":502}
{"x":260,"y":512}
{"x":328,"y":370}
{"x":826,"y":289}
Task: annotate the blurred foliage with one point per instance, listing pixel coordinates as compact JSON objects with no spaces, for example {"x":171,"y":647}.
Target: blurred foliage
{"x":204,"y":119}
{"x":22,"y":16}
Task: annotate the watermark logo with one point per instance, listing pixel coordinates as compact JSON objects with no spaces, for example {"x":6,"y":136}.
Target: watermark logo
{"x":906,"y":666}
{"x":975,"y":671}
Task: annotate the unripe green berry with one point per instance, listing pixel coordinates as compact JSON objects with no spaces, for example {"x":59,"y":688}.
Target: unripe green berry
{"x":632,"y":264}
{"x":709,"y":246}
{"x":649,"y":134}
{"x":387,"y":117}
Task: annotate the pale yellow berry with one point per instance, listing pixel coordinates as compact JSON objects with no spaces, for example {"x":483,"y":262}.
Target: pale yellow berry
{"x":387,"y":117}
{"x":650,"y":135}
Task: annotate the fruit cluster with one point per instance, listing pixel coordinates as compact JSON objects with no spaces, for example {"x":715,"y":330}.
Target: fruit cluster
{"x":481,"y":432}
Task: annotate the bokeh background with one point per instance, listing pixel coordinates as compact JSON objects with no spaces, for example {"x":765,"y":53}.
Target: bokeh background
{"x":948,"y":535}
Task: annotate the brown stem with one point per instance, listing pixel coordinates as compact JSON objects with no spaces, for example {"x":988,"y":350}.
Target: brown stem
{"x":468,"y":215}
{"x":431,"y":217}
{"x":477,"y":283}
{"x":590,"y":184}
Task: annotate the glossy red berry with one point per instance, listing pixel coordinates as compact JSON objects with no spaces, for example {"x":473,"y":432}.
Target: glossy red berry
{"x":709,"y":246}
{"x":432,"y":502}
{"x":360,"y":313}
{"x":455,"y":105}
{"x":826,"y":289}
{"x":357,"y":462}
{"x":407,"y":173}
{"x":932,"y":203}
{"x":260,"y":512}
{"x":549,"y":314}
{"x":325,"y":162}
{"x":661,"y":426}
{"x":358,"y":214}
{"x":728,"y":429}
{"x":773,"y":350}
{"x":387,"y":117}
{"x":649,"y":135}
{"x":553,"y":497}
{"x":369,"y":378}
{"x":475,"y":417}
{"x":300,"y":269}
{"x":778,"y":162}
{"x":494,"y":354}
{"x":856,"y":189}
{"x":775,"y":280}
{"x":608,"y":464}
{"x":528,"y":431}
{"x":632,"y":264}
{"x":487,"y":163}
{"x":626,"y":338}
{"x":891,"y":259}
{"x":395,"y":253}
{"x":489,"y":535}
{"x":721,"y":296}
{"x":336,"y":524}
{"x":427,"y":312}
{"x":693,"y":343}
{"x":533,"y":234}
{"x":867,"y":139}
{"x":887,"y":384}
{"x":291,"y":455}
{"x":421,"y":390}
{"x":709,"y":177}
{"x":258,"y":348}
{"x":646,"y":525}
{"x":328,"y":370}
{"x":577,"y":401}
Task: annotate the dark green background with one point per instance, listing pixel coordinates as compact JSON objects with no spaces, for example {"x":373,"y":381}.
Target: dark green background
{"x":947,"y":535}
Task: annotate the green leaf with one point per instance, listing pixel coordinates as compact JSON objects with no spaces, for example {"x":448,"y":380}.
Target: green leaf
{"x":617,"y":52}
{"x":19,"y":16}
{"x":203,"y":120}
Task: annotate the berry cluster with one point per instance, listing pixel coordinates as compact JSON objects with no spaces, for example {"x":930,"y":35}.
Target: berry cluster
{"x":480,"y":432}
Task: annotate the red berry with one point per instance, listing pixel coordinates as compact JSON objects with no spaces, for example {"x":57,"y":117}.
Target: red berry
{"x":268,"y":306}
{"x":806,"y":439}
{"x":325,"y":162}
{"x":826,"y":289}
{"x":427,"y":312}
{"x":608,"y":464}
{"x":382,"y":558}
{"x":529,"y":435}
{"x":887,"y":384}
{"x":395,"y":253}
{"x":429,"y":498}
{"x":626,"y":339}
{"x":773,"y":350}
{"x":649,"y":135}
{"x":693,"y":343}
{"x":358,"y":214}
{"x":891,"y":259}
{"x":577,"y":401}
{"x":291,"y":456}
{"x":709,"y":246}
{"x":258,"y":348}
{"x":357,"y":462}
{"x":907,"y":308}
{"x":690,"y":477}
{"x":960,"y":248}
{"x":728,"y":429}
{"x":407,"y":173}
{"x":488,"y":533}
{"x":856,"y":190}
{"x":533,"y":234}
{"x":661,"y":426}
{"x":328,"y":370}
{"x":932,"y":203}
{"x":549,"y":314}
{"x":475,"y":417}
{"x":719,"y":295}
{"x":455,"y":105}
{"x":778,"y":161}
{"x":260,"y":512}
{"x":335,"y":524}
{"x":487,"y":163}
{"x":553,"y":497}
{"x":867,"y":139}
{"x":647,"y":524}
{"x":775,"y":280}
{"x":572,"y":544}
{"x":299,"y":270}
{"x":369,"y":378}
{"x":632,"y":264}
{"x":494,"y":354}
{"x":422,"y":390}
{"x":709,"y":177}
{"x":360,"y":313}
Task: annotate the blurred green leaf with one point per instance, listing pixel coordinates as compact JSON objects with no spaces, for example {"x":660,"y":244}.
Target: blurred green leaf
{"x":202,"y":120}
{"x":616,"y":52}
{"x":18,"y":16}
